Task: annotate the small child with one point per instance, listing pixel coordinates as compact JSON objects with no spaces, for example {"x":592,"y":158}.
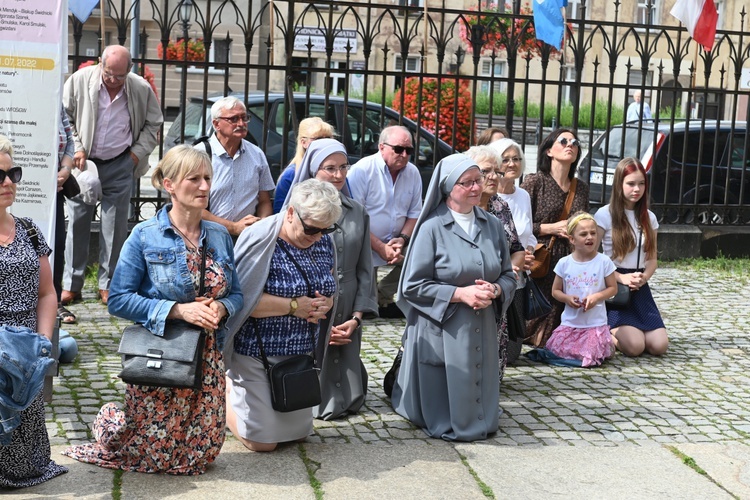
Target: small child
{"x":583,"y":280}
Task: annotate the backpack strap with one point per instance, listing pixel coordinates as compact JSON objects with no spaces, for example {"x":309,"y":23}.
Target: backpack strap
{"x":31,"y":231}
{"x":207,"y":145}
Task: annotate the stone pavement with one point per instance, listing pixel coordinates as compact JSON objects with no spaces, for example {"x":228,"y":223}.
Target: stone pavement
{"x":670,"y":427}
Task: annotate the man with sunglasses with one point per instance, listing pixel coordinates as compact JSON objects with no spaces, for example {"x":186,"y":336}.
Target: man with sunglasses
{"x":389,"y":186}
{"x":242,"y":184}
{"x":114,"y":117}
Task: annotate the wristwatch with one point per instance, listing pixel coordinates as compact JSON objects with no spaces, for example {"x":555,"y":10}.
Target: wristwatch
{"x":292,"y":307}
{"x":405,"y":237}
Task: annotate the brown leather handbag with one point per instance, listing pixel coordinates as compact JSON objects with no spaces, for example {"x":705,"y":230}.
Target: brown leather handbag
{"x":542,"y":252}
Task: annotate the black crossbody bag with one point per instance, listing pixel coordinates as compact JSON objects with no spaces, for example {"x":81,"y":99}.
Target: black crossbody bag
{"x":294,"y":381}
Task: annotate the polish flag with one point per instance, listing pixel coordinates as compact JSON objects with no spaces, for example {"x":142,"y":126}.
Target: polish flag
{"x":700,"y":18}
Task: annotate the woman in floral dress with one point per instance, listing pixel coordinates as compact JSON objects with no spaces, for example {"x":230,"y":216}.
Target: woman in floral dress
{"x":27,"y":298}
{"x":174,"y":431}
{"x":490,"y":166}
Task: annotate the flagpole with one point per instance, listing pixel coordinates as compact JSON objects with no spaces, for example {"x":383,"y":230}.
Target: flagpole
{"x":101,"y":26}
{"x":424,"y":42}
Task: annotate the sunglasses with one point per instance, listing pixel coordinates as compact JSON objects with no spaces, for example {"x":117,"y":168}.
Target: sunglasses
{"x":234,"y":120}
{"x":399,"y":150}
{"x":312,"y":231}
{"x":14,"y":174}
{"x":564,"y":141}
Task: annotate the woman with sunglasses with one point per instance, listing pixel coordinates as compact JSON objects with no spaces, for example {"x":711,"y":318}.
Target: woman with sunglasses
{"x":490,"y":165}
{"x":548,"y":189}
{"x":27,"y":299}
{"x":343,"y":378}
{"x":285,"y":265}
{"x":457,"y":279}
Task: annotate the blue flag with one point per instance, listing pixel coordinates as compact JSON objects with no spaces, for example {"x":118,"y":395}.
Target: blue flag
{"x":549,"y":23}
{"x":82,"y":8}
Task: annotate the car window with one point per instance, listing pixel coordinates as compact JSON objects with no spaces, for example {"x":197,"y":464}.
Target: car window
{"x":364,"y":140}
{"x":615,"y":145}
{"x":738,"y":151}
{"x":192,"y":123}
{"x":710,"y":154}
{"x":314,"y":109}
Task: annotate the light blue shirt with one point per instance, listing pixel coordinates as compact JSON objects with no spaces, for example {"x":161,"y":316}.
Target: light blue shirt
{"x":237,"y":180}
{"x":388,"y":204}
{"x":634,"y":112}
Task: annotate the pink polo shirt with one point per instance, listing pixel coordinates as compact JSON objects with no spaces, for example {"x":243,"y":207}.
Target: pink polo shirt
{"x":113,"y":134}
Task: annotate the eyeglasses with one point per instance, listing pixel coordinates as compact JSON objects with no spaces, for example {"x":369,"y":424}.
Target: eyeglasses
{"x":14,"y":174}
{"x":486,"y":173}
{"x":470,"y":184}
{"x":334,"y":170}
{"x":119,"y":78}
{"x":234,"y":120}
{"x":399,"y":150}
{"x":514,"y":159}
{"x":312,"y":231}
{"x":564,"y":141}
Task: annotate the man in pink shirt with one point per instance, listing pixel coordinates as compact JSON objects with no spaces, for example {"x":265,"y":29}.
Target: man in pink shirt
{"x":114,"y":117}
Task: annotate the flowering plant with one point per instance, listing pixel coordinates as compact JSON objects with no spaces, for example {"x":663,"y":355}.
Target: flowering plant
{"x":196,"y":50}
{"x":499,"y":30}
{"x":441,"y":125}
{"x":148,"y":75}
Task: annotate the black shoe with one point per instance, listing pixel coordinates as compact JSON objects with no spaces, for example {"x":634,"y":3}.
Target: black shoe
{"x":390,"y":311}
{"x":390,"y":377}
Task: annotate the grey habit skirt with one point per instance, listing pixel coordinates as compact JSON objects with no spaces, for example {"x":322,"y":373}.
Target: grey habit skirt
{"x":251,"y":401}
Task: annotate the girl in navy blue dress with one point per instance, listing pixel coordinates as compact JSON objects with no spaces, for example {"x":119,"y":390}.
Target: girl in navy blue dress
{"x":627,"y":229}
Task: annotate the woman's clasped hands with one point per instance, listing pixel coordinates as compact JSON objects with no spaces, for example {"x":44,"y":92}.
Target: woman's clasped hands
{"x":313,"y":309}
{"x":477,"y":296}
{"x":204,"y":312}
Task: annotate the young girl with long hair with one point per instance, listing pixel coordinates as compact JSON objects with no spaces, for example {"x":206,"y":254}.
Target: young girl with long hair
{"x":627,"y":229}
{"x":583,"y":280}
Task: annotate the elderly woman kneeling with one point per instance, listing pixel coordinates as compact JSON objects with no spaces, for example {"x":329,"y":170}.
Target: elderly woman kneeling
{"x":285,"y":265}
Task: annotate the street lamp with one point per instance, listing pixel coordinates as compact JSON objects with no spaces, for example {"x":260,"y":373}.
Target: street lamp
{"x":184,"y":14}
{"x":460,"y":54}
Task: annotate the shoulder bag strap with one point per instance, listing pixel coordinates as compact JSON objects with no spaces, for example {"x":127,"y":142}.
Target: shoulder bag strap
{"x":638,"y":255}
{"x":263,"y":356}
{"x":309,"y":291}
{"x":566,"y":209}
{"x":202,"y":284}
{"x":30,"y":231}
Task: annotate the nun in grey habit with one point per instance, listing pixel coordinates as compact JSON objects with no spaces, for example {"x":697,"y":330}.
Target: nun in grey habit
{"x":456,"y":281}
{"x":343,"y":378}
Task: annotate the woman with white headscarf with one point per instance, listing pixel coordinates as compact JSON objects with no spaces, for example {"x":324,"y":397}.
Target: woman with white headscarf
{"x":343,"y":378}
{"x":456,"y":281}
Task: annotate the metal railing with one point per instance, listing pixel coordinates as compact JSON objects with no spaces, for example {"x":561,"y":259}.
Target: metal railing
{"x":697,"y":142}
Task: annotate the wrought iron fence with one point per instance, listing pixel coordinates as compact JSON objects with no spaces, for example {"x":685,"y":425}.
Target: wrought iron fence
{"x":295,"y":57}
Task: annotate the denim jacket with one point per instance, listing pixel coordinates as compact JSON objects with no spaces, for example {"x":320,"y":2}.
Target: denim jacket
{"x":24,"y":358}
{"x":152,"y":273}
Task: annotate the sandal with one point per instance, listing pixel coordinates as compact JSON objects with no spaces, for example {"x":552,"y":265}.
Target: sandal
{"x":66,"y":316}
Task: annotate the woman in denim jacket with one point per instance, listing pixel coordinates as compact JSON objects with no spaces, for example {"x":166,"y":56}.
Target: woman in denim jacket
{"x":177,"y":431}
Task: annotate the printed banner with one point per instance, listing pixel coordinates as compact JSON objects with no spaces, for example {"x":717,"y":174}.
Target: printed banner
{"x":31,"y":36}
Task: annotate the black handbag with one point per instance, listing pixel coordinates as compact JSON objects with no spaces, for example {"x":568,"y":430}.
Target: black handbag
{"x":173,"y":360}
{"x":294,"y":381}
{"x":535,"y":304}
{"x":70,"y":187}
{"x":514,"y":316}
{"x":621,"y":299}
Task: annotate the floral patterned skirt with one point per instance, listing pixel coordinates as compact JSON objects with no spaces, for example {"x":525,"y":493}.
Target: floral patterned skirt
{"x":159,"y":429}
{"x":591,"y":345}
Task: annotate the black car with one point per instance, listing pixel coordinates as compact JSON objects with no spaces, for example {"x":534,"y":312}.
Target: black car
{"x":688,"y":165}
{"x":346,"y":117}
